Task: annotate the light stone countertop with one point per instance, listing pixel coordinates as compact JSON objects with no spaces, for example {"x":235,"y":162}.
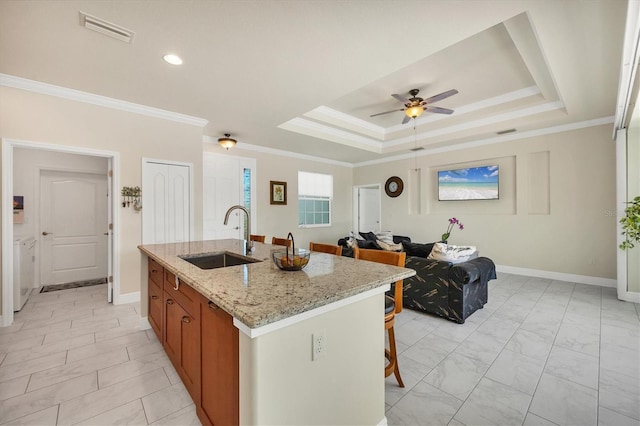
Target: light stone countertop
{"x":259,"y":293}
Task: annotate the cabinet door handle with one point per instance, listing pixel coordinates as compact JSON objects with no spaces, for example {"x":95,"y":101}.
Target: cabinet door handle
{"x":169,"y":302}
{"x":213,"y":305}
{"x":177,"y":284}
{"x":186,"y":319}
{"x":154,"y":297}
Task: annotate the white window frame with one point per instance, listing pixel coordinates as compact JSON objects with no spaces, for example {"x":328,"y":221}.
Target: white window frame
{"x":314,"y":197}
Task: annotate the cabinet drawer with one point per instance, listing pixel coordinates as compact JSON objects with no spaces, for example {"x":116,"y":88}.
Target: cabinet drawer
{"x":184,"y":295}
{"x":156,"y":272}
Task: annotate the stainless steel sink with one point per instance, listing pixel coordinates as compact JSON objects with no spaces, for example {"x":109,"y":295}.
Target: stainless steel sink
{"x":217,"y":260}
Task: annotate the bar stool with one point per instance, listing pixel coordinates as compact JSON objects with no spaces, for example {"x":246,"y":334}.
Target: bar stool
{"x":281,"y":241}
{"x":256,"y":238}
{"x":392,"y":305}
{"x":326,"y":248}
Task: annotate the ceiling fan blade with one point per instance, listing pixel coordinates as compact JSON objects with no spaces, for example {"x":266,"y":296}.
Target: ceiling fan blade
{"x":387,"y":112}
{"x":400,"y":98}
{"x":406,"y":119}
{"x":438,"y":110}
{"x":441,"y":96}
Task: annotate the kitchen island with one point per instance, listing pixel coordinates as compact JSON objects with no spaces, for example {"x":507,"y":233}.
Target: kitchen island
{"x":241,"y":336}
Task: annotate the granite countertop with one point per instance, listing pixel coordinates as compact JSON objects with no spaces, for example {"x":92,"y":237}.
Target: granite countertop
{"x":259,"y":293}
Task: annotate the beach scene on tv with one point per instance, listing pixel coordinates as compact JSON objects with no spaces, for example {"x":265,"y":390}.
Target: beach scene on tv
{"x":474,"y":183}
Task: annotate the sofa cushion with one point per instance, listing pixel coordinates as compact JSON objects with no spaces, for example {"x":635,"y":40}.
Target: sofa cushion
{"x":398,"y":239}
{"x":385,"y":236}
{"x":367,"y":244}
{"x":417,"y":249}
{"x":453,"y":254}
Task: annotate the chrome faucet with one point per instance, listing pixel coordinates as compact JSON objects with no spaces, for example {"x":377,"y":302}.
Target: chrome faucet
{"x":247,"y":230}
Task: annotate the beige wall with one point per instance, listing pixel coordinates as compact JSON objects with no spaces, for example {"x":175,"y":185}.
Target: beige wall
{"x":279,"y":220}
{"x":576,"y":185}
{"x":40,"y":118}
{"x":281,"y":385}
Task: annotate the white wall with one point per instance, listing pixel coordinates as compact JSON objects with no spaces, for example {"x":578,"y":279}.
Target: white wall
{"x":41,"y":118}
{"x":633,"y":190}
{"x":569,"y":175}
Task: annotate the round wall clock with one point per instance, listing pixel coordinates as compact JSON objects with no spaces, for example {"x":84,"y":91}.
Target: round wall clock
{"x":394,"y":186}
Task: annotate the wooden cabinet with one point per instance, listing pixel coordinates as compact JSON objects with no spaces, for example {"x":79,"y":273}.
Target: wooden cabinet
{"x":156,"y":274}
{"x":220,"y":367}
{"x":182,"y":339}
{"x":201,"y":342}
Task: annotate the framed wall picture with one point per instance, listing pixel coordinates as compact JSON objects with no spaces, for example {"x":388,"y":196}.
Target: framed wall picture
{"x":278,"y":193}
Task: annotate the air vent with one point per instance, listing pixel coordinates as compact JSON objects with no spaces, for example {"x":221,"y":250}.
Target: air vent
{"x":502,"y":132}
{"x":420,"y":148}
{"x":105,"y":27}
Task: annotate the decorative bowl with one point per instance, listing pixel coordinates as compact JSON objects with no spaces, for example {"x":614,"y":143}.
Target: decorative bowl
{"x":290,"y":260}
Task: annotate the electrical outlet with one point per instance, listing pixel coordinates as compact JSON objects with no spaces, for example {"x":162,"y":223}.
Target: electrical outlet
{"x":318,"y":345}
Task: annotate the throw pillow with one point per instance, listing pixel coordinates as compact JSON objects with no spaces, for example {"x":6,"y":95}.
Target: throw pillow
{"x":385,"y":236}
{"x":367,"y":244}
{"x":398,"y":239}
{"x":389,"y":247}
{"x":453,"y":254}
{"x":369,"y":236}
{"x":417,"y":249}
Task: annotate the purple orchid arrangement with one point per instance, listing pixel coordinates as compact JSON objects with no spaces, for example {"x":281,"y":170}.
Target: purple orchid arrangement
{"x":452,"y":222}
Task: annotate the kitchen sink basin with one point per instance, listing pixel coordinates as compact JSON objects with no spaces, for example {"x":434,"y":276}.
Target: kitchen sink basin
{"x":217,"y":260}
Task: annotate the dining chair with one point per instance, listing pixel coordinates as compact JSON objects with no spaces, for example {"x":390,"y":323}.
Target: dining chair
{"x":256,"y":238}
{"x":281,"y":241}
{"x":326,"y":248}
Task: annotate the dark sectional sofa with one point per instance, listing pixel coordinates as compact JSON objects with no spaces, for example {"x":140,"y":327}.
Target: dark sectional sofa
{"x":452,"y":291}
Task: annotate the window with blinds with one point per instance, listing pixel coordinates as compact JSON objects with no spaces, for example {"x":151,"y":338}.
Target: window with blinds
{"x":315,"y":192}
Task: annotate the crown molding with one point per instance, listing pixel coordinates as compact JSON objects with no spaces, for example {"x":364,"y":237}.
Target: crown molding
{"x":497,"y":139}
{"x":318,"y":113}
{"x":283,"y":153}
{"x":103,"y":101}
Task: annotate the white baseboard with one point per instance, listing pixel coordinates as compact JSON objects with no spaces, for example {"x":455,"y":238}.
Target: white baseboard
{"x":144,"y":323}
{"x":629,"y":296}
{"x":560,"y":276}
{"x":127,"y":298}
{"x":383,"y":422}
{"x":2,"y":324}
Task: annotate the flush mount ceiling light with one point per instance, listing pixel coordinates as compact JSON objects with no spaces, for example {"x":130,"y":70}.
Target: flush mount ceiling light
{"x":172,"y":59}
{"x":227,"y":142}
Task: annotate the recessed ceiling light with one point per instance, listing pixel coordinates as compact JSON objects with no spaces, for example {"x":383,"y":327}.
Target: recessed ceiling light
{"x":172,"y":59}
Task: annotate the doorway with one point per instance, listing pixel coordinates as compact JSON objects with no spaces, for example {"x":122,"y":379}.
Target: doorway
{"x":112,"y":213}
{"x":366,"y":212}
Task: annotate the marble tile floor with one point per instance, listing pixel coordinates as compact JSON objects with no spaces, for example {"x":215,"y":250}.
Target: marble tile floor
{"x":541,"y":352}
{"x":70,"y":358}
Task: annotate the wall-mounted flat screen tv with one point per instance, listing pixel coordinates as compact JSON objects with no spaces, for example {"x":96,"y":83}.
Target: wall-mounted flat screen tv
{"x":474,"y":183}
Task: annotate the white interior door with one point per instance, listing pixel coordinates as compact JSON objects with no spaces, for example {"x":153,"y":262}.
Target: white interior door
{"x":166,"y":208}
{"x":73,"y":226}
{"x":221,"y":189}
{"x":369,"y":209}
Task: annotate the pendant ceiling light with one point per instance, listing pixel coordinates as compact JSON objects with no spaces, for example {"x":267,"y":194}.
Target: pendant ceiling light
{"x":227,"y":142}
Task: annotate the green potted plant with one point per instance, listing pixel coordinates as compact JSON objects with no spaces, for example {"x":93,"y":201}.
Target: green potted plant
{"x":631,"y":224}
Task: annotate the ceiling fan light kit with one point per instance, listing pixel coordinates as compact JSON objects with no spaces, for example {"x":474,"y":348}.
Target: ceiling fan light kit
{"x":415,"y":106}
{"x":227,"y":142}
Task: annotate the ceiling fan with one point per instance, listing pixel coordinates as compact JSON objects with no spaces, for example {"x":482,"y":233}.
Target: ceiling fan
{"x":415,"y":106}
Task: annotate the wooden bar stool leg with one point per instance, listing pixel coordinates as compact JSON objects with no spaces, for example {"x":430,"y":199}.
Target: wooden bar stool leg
{"x":391,"y":353}
{"x":392,"y":347}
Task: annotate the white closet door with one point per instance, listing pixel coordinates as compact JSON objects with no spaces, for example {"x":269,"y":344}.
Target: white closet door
{"x":166,"y":203}
{"x":221,"y":190}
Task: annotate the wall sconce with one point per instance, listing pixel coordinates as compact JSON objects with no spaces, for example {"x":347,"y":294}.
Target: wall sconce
{"x":131,"y":196}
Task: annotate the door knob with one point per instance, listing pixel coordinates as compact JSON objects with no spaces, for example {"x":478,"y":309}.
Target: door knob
{"x":45,"y":233}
